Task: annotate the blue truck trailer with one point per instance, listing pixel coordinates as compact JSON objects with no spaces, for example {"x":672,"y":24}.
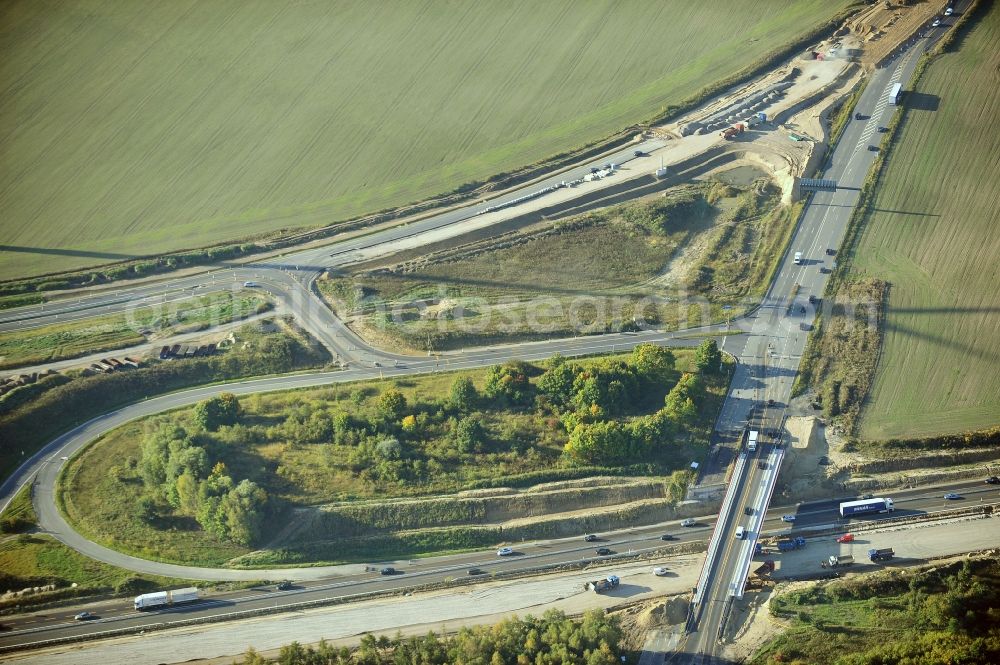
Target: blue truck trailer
{"x":788,"y":544}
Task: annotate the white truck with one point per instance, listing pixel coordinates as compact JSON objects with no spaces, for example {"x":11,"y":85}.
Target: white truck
{"x":149,"y":601}
{"x":752,"y":440}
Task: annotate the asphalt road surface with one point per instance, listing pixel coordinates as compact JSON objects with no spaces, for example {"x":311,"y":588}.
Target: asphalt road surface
{"x":772,"y":350}
{"x":769,"y":355}
{"x":312,"y":584}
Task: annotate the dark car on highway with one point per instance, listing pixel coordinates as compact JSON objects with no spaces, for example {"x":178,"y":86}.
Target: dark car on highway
{"x":284,"y":586}
{"x":603,"y":551}
{"x":85,"y":616}
{"x":476,"y":571}
{"x":667,"y":536}
{"x":993,"y":480}
{"x":590,"y":537}
{"x":388,"y":570}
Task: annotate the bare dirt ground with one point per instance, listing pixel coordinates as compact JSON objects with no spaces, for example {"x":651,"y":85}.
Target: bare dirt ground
{"x":882,"y":29}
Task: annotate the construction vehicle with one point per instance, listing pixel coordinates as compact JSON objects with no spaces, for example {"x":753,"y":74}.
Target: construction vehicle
{"x":600,"y":586}
{"x":883,"y":554}
{"x":866,"y":506}
{"x":735,"y":130}
{"x":763,"y":569}
{"x":842,"y":560}
{"x":165,"y":598}
{"x":788,"y":544}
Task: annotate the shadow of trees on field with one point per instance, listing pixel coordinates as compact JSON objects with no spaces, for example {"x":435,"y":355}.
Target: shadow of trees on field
{"x":922,"y":101}
{"x":65,"y":252}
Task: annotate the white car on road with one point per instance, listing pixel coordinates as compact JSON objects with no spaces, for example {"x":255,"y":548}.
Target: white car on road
{"x":505,"y":551}
{"x":688,"y":522}
{"x":788,"y":518}
{"x":659,"y":571}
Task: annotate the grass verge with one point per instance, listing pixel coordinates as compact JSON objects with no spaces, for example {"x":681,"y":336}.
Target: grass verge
{"x":668,"y":263}
{"x":31,"y":424}
{"x":70,"y":340}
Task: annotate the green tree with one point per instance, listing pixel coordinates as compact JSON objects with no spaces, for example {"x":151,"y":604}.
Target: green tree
{"x":470,"y":434}
{"x":655,"y":364}
{"x":242,"y":510}
{"x":464,"y":395}
{"x":557,"y":383}
{"x":389,"y":448}
{"x":187,"y":493}
{"x":214,"y":412}
{"x":391,"y":405}
{"x":508,"y":384}
{"x":708,"y":357}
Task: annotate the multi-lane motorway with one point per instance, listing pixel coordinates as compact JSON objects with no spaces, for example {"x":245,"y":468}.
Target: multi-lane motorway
{"x":772,"y":350}
{"x":358,"y":579}
{"x":769,"y":355}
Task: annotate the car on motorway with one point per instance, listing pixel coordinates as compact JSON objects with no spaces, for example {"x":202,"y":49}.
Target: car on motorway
{"x":659,"y":571}
{"x":846,"y":538}
{"x":951,"y":496}
{"x":388,"y":570}
{"x":873,"y":148}
{"x":594,"y":169}
{"x":84,"y":616}
{"x":476,"y":571}
{"x":992,"y":480}
{"x":667,"y":536}
{"x":284,"y":585}
{"x":883,"y":130}
{"x":936,"y":23}
{"x":741,"y":533}
{"x":748,"y":510}
{"x":590,"y":537}
{"x":603,"y":551}
{"x":688,"y":522}
{"x":797,"y":260}
{"x":505,"y":551}
{"x":867,"y":496}
{"x":788,"y":518}
{"x":639,"y":153}
{"x":949,"y":11}
{"x":250,"y":285}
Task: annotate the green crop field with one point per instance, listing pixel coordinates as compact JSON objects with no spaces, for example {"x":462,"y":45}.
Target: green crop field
{"x":933,"y":237}
{"x":135,"y":128}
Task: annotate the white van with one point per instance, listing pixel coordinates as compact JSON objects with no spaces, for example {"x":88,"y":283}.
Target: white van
{"x":741,"y":532}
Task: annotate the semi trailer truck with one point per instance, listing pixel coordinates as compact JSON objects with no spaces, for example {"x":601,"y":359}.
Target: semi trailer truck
{"x":866,"y":507}
{"x":149,"y":601}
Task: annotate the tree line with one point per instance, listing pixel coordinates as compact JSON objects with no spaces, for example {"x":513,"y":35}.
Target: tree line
{"x":552,"y":638}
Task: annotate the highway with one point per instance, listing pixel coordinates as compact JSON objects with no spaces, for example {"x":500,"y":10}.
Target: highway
{"x":769,"y":354}
{"x":772,"y":351}
{"x":316,"y":584}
